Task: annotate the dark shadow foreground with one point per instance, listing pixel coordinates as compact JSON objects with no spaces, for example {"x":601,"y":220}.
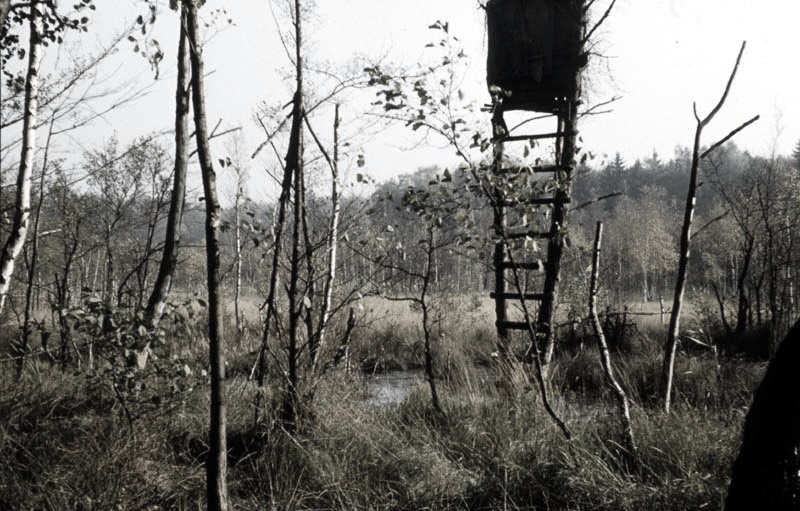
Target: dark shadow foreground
{"x":765,"y":474}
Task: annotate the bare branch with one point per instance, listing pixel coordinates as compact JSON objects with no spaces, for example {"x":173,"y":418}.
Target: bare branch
{"x":596,"y":199}
{"x":531,"y":119}
{"x":729,"y":136}
{"x":269,"y":135}
{"x":727,"y":87}
{"x":319,"y":143}
{"x":708,"y":224}
{"x":592,"y":110}
{"x":599,"y":22}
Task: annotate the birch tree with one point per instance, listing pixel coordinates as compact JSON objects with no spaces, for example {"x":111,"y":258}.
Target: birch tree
{"x":605,"y":356}
{"x":22,"y":201}
{"x":295,"y":253}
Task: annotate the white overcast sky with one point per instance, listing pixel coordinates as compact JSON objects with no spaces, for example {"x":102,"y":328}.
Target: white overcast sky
{"x":662,"y":56}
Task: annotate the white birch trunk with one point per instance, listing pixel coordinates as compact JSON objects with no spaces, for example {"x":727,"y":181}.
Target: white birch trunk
{"x":333,"y":240}
{"x":22,"y":204}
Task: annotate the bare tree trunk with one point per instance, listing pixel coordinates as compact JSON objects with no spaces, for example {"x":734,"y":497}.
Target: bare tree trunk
{"x":331,"y":248}
{"x":671,"y":346}
{"x":169,"y":257}
{"x":259,"y":369}
{"x":743,"y":303}
{"x":310,"y":290}
{"x":605,"y":357}
{"x":294,"y":163}
{"x":32,"y":268}
{"x":237,"y":284}
{"x":22,"y":202}
{"x":429,"y":274}
{"x":216,"y":464}
{"x":721,"y":304}
{"x":291,"y":397}
{"x":108,"y":271}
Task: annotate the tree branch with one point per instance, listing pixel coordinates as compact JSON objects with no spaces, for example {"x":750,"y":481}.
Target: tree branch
{"x":707,"y":224}
{"x":727,"y":88}
{"x":727,"y":137}
{"x":599,"y":22}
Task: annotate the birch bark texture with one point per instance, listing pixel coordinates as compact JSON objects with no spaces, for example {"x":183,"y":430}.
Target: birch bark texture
{"x":22,"y":201}
{"x":605,"y":355}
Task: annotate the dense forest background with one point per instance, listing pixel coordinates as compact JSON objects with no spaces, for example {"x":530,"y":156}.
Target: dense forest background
{"x":102,"y":236}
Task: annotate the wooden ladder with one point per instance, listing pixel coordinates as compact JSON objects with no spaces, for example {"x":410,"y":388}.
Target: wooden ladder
{"x":530,"y":284}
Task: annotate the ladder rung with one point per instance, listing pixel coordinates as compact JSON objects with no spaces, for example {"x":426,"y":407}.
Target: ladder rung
{"x":532,"y":265}
{"x":537,"y":201}
{"x":528,"y":234}
{"x":517,"y":138}
{"x":518,"y":296}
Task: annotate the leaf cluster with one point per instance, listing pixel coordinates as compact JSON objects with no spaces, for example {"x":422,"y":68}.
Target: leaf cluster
{"x":427,"y":98}
{"x":120,"y":338}
{"x":54,"y":27}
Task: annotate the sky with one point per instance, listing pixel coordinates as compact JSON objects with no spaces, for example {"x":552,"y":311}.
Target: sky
{"x":659,"y":56}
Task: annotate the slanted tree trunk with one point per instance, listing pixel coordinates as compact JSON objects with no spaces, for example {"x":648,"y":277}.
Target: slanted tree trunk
{"x":765,"y":474}
{"x":671,"y":345}
{"x":216,"y":464}
{"x":169,"y":256}
{"x":22,"y":202}
{"x":605,"y":357}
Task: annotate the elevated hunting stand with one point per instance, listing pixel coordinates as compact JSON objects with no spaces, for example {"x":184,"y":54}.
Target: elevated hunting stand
{"x":535,"y":57}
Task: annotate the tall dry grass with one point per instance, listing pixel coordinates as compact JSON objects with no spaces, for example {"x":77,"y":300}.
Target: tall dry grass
{"x":66,"y":444}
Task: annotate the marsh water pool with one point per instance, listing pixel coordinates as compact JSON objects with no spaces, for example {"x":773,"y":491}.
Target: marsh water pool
{"x":393,"y":387}
{"x":390,"y":388}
